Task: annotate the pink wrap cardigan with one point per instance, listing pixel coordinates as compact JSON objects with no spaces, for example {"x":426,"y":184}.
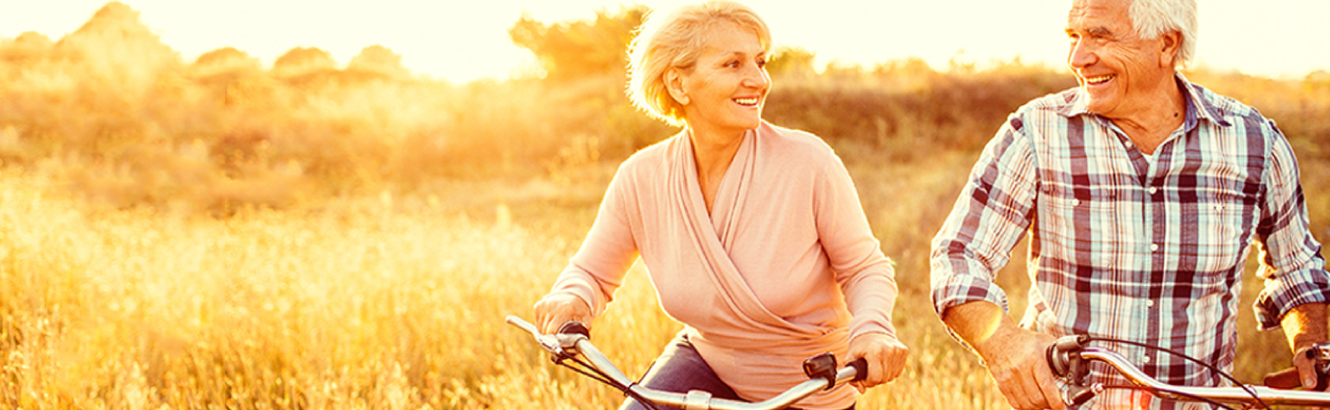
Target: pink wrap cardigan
{"x":784,"y":267}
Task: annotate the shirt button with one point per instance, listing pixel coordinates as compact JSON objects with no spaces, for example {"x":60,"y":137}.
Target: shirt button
{"x":1075,"y":202}
{"x":1145,"y":358}
{"x":1153,"y":190}
{"x":1150,"y":303}
{"x":1154,"y":247}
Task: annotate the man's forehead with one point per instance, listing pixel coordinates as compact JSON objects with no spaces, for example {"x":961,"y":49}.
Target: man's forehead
{"x":1085,"y":13}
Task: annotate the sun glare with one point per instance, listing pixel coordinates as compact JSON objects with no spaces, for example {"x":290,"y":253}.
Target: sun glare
{"x":463,"y":41}
{"x":281,"y":204}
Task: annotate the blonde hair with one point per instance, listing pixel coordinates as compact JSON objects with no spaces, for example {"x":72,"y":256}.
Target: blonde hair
{"x":674,"y":41}
{"x":1153,"y":18}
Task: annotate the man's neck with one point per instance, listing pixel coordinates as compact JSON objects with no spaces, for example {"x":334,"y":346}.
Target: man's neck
{"x":1153,"y":124}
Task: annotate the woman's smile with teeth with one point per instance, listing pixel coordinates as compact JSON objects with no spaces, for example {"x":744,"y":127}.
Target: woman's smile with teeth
{"x":746,"y":101}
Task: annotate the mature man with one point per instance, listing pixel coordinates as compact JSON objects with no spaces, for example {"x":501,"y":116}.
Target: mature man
{"x":1141,"y":193}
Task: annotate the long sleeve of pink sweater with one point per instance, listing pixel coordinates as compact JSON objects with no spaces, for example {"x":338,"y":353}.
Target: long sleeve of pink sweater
{"x":784,"y":267}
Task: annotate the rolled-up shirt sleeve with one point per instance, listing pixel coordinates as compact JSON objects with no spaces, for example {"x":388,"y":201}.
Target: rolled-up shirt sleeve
{"x":991,"y":214}
{"x":1291,"y":261}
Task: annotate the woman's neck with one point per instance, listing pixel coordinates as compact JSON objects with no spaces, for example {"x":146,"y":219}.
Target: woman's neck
{"x":713,"y":152}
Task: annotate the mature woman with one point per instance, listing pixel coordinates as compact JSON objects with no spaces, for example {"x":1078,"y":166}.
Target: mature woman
{"x":752,"y":234}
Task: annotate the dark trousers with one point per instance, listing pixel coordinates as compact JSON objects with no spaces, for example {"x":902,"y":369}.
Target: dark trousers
{"x":681,"y":369}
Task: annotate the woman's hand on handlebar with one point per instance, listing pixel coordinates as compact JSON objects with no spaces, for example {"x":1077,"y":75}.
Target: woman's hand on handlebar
{"x":885,"y":356}
{"x":555,"y":309}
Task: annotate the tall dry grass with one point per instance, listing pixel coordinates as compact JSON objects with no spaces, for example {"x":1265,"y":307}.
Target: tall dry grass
{"x":394,"y":302}
{"x":376,"y":303}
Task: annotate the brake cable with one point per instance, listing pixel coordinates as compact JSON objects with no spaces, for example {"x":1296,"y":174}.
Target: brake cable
{"x":1207,"y":366}
{"x":597,"y":375}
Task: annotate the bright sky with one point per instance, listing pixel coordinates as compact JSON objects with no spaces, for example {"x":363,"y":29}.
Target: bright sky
{"x":465,"y":40}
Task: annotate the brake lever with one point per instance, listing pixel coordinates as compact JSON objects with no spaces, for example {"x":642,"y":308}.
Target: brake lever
{"x":562,"y":344}
{"x":1065,"y":361}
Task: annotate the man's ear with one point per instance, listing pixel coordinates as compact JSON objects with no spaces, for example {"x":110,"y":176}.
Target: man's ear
{"x":1170,"y":47}
{"x":674,"y":84}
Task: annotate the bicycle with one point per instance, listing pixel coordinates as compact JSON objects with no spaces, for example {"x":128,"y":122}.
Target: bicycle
{"x":573,"y":340}
{"x":1068,"y":358}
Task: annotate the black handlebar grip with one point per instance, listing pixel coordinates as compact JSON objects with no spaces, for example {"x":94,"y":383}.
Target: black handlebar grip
{"x":822,"y":366}
{"x":574,"y":327}
{"x":860,"y":366}
{"x":1079,"y":395}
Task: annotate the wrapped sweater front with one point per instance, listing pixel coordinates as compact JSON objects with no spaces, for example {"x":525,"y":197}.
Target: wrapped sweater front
{"x":784,"y":267}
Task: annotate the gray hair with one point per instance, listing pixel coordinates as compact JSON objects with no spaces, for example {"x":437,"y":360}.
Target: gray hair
{"x":672,"y":41}
{"x":1153,"y":18}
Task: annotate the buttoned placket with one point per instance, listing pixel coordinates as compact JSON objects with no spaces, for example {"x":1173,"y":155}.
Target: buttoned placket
{"x":1153,"y":222}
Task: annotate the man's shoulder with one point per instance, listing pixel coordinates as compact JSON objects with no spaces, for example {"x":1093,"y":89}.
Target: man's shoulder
{"x":1047,"y":110}
{"x":1062,"y":102}
{"x":1222,"y":107}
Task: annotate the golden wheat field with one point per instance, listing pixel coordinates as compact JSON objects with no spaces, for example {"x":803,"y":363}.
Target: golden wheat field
{"x":217,"y":234}
{"x":379,"y":302}
{"x":383,"y":302}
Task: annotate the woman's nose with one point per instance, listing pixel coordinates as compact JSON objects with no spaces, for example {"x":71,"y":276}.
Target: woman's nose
{"x":757,"y":78}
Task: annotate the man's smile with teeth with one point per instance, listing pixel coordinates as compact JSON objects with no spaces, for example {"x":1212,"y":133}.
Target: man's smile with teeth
{"x":746,"y":101}
{"x":1099,"y":79}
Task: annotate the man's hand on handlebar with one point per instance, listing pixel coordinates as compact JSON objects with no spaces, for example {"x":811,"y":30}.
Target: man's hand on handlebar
{"x":1017,"y":360}
{"x":558,"y":308}
{"x":885,"y":356}
{"x":1305,"y":360}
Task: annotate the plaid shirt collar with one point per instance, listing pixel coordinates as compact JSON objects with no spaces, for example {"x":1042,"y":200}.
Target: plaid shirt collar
{"x":1078,"y":104}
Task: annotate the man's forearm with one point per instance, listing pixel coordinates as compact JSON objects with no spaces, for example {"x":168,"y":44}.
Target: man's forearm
{"x":979,"y":323}
{"x":1304,"y":325}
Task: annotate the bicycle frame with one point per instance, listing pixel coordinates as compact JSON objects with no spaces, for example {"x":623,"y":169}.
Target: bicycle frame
{"x":1063,"y":355}
{"x":562,"y":345}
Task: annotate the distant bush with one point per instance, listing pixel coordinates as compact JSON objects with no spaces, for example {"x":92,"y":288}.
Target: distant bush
{"x":909,"y":107}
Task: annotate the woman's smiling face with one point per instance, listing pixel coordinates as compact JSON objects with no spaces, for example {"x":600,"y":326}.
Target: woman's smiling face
{"x":727,"y":86}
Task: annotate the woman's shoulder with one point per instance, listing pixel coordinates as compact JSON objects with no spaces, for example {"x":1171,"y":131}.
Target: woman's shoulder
{"x":797,"y":146}
{"x":649,"y":160}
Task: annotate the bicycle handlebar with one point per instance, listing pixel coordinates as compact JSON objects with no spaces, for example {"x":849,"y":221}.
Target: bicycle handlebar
{"x":1289,"y":378}
{"x":573,"y":339}
{"x":1068,"y":355}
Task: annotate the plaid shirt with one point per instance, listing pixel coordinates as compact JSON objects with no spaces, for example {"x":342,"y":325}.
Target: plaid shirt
{"x":1129,"y":246}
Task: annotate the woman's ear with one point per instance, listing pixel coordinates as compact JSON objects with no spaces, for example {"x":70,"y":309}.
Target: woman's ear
{"x":674,"y":84}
